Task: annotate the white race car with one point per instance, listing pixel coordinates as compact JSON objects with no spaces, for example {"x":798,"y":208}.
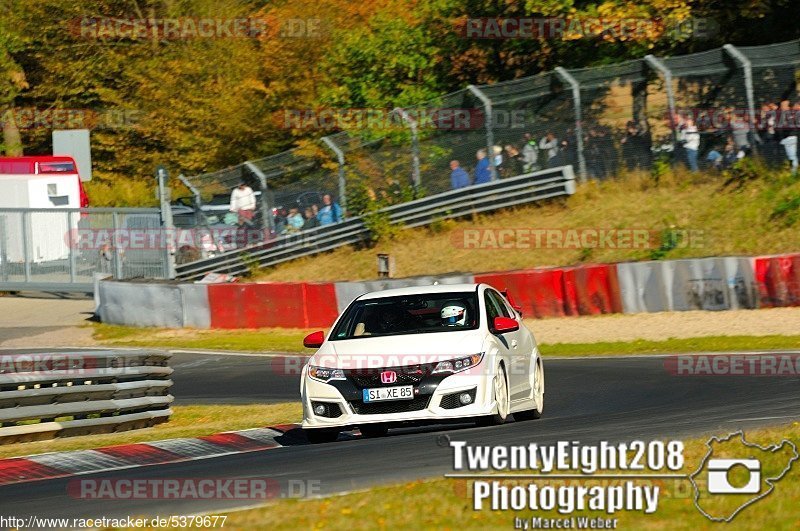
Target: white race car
{"x":421,"y":355}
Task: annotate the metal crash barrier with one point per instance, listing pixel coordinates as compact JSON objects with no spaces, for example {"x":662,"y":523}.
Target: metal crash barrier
{"x":496,"y":195}
{"x":45,"y":394}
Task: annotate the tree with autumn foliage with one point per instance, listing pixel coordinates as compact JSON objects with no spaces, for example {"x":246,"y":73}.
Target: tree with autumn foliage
{"x":200,"y":104}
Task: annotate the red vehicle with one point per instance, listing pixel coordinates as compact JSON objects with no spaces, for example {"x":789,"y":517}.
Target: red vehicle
{"x":44,"y":165}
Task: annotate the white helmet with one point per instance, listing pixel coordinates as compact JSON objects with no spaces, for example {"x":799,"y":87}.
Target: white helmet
{"x":454,"y":315}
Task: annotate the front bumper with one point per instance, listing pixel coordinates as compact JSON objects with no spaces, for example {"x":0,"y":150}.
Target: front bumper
{"x":427,"y":405}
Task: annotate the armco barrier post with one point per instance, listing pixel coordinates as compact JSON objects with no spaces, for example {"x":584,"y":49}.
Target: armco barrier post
{"x":576,"y":101}
{"x":487,"y":109}
{"x":342,"y":181}
{"x":659,"y":66}
{"x":747,"y":72}
{"x":412,"y":125}
{"x":266,"y":215}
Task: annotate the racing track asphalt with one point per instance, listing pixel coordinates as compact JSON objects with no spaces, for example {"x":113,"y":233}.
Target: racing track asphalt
{"x":587,"y":400}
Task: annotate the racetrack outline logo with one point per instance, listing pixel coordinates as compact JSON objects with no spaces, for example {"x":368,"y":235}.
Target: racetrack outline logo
{"x":769,"y":479}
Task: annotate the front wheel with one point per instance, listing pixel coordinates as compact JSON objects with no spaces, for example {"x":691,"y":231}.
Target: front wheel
{"x":501,"y":398}
{"x":321,"y":435}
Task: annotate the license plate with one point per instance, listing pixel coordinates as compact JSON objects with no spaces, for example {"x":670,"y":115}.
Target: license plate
{"x":402,"y":392}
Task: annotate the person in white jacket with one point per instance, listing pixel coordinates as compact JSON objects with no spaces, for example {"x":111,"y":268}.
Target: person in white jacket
{"x":690,"y":137}
{"x":549,"y":144}
{"x":243,"y":203}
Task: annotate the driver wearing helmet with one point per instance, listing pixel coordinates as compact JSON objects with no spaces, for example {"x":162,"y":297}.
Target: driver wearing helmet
{"x":453,"y":314}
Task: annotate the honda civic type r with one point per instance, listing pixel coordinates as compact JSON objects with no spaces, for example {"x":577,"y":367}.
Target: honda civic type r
{"x":421,"y":355}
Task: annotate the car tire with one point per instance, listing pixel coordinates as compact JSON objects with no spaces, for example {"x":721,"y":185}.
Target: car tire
{"x":538,"y":396}
{"x":499,"y":386}
{"x":321,"y":435}
{"x":370,"y":431}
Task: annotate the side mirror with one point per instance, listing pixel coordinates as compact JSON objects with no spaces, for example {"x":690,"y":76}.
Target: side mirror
{"x":314,"y":339}
{"x":505,"y":324}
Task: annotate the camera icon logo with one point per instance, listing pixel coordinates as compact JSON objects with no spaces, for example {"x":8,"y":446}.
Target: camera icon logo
{"x":736,"y":473}
{"x":719,"y":476}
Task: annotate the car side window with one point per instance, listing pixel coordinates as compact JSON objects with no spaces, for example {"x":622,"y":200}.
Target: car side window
{"x":498,"y":300}
{"x":491,"y":308}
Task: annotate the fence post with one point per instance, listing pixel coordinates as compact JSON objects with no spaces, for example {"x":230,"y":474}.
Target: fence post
{"x":117,"y":251}
{"x":72,"y":246}
{"x":412,"y":125}
{"x":659,"y":66}
{"x":747,"y":70}
{"x":576,"y":100}
{"x":3,"y":252}
{"x":26,"y":243}
{"x":269,"y":222}
{"x":342,"y":184}
{"x":166,"y":219}
{"x":487,"y":108}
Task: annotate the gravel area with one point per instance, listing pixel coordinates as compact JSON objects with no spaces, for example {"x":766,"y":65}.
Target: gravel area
{"x":665,"y":325}
{"x":41,"y":320}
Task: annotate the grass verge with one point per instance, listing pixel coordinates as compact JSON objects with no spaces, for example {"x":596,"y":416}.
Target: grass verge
{"x":291,"y":340}
{"x":691,"y":344}
{"x":261,"y":339}
{"x":447,"y":503}
{"x":186,"y":421}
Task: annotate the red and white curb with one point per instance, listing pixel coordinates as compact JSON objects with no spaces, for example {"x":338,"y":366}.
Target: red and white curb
{"x":77,"y":462}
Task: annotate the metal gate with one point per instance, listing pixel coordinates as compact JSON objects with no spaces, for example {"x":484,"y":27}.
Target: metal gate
{"x":62,"y":249}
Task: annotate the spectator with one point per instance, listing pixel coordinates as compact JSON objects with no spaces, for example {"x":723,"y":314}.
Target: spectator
{"x":741,"y":132}
{"x":730,"y":154}
{"x":279,"y":216}
{"x":636,"y":146}
{"x":789,"y":144}
{"x":294,"y":220}
{"x":498,"y":156}
{"x":311,"y":219}
{"x":767,"y":132}
{"x":530,"y":154}
{"x":514,"y":162}
{"x":691,"y":142}
{"x":596,"y":157}
{"x":482,"y":172}
{"x":549,"y":144}
{"x":459,"y":178}
{"x":714,"y":158}
{"x":243,"y":203}
{"x":330,"y":212}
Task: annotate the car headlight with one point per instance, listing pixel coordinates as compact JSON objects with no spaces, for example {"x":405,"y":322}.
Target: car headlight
{"x":457,"y":365}
{"x":324,"y":374}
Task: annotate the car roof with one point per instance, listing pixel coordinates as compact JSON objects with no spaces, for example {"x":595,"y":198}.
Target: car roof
{"x":417,"y":290}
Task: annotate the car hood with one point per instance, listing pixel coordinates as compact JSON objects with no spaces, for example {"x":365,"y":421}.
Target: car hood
{"x":394,"y":351}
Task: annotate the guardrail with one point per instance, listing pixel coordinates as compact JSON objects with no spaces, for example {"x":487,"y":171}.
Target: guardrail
{"x":45,"y":395}
{"x":522,"y":189}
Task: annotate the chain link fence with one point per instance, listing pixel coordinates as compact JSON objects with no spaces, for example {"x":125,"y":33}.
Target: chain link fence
{"x":701,"y":110}
{"x":62,"y":249}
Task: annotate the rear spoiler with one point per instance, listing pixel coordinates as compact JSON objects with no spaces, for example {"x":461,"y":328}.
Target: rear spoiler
{"x":511,"y":301}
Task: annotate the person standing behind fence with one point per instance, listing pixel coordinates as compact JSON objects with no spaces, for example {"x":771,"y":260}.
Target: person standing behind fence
{"x":243,"y":203}
{"x":549,"y":144}
{"x":330,"y":212}
{"x":311,"y":219}
{"x":530,"y":153}
{"x":691,"y":142}
{"x":294,"y":220}
{"x":459,"y":178}
{"x":482,"y":172}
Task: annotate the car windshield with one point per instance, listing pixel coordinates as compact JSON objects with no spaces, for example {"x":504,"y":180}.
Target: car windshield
{"x":409,"y":314}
